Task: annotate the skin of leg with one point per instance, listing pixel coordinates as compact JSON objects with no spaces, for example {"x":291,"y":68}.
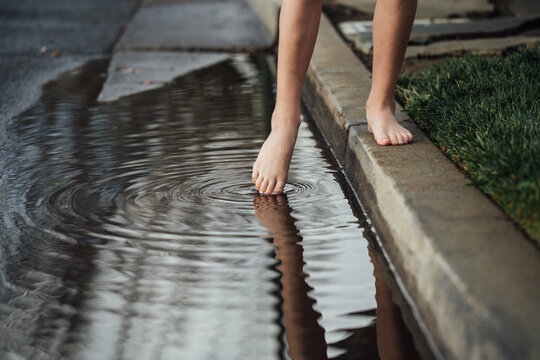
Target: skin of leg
{"x":298,"y":27}
{"x":305,"y":337}
{"x":392,"y":24}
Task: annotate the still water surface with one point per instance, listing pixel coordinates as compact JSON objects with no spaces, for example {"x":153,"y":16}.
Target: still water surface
{"x":131,"y":230}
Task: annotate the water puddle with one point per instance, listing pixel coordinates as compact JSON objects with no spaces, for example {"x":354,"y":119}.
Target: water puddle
{"x":131,"y":230}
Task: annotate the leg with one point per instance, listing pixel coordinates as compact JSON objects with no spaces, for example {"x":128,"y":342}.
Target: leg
{"x":305,"y":337}
{"x":298,"y":27}
{"x":392,"y":25}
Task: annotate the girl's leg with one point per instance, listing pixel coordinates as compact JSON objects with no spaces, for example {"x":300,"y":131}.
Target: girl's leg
{"x":298,"y":28}
{"x":392,"y":23}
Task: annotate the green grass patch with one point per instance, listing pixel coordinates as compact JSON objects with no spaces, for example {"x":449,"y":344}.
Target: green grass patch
{"x":484,"y":113}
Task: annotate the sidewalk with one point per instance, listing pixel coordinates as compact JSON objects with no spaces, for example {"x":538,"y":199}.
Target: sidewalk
{"x":169,"y":38}
{"x":446,"y":28}
{"x":41,"y":40}
{"x":468,"y":274}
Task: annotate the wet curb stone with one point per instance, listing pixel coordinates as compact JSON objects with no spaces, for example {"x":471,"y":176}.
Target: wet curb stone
{"x":469,"y":273}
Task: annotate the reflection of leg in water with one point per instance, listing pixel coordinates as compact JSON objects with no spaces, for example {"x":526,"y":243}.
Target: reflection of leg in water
{"x":393,"y":339}
{"x":304,"y":335}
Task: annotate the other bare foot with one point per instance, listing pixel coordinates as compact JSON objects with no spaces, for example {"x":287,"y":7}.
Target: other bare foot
{"x":271,"y":168}
{"x":383,"y":125}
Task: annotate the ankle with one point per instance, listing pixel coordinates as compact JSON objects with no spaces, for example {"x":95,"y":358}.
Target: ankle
{"x":285,"y":119}
{"x":381,"y":104}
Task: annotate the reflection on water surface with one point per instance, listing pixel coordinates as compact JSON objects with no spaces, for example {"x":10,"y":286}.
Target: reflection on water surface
{"x":131,"y":230}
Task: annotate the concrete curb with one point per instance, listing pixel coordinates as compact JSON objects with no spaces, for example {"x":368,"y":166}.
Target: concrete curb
{"x":470,"y":275}
{"x":268,"y":13}
{"x":470,"y":272}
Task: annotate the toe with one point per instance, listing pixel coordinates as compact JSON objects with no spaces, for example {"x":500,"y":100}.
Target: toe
{"x":254,"y":175}
{"x":280,"y":185}
{"x":401,"y":139}
{"x":270,"y":187}
{"x":259,"y":181}
{"x":382,"y":139}
{"x":410,"y":137}
{"x":394,"y":139}
{"x":264,"y":184}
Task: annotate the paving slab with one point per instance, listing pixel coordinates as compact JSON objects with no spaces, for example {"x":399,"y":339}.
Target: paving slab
{"x":532,"y":32}
{"x":426,"y":31}
{"x":67,"y":27}
{"x":470,"y":274}
{"x":524,"y":8}
{"x":495,"y":46}
{"x":131,"y":72}
{"x":430,"y":8}
{"x":230,"y":25}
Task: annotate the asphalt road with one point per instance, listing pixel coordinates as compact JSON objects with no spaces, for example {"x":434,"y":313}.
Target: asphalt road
{"x":42,"y":39}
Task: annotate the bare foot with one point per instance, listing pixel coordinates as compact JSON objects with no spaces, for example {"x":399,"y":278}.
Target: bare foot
{"x":383,"y":125}
{"x":271,"y":168}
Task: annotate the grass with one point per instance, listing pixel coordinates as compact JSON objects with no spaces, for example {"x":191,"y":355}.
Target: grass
{"x":484,"y":114}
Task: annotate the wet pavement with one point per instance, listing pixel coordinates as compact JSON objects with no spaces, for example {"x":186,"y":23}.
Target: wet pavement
{"x":68,"y":27}
{"x":41,"y":40}
{"x":131,"y":72}
{"x":131,"y":229}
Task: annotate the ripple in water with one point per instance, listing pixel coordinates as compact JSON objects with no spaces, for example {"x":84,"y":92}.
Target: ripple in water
{"x":131,"y":230}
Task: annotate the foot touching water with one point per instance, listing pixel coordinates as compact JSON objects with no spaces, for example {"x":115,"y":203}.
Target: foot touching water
{"x":383,"y":125}
{"x":271,"y":168}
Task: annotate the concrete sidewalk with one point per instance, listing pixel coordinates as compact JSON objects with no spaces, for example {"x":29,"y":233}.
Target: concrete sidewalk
{"x":469,"y":275}
{"x":446,"y":28}
{"x":169,"y":38}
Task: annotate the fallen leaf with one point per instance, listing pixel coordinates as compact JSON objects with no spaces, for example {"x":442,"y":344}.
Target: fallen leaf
{"x":54,"y":53}
{"x":148,"y":82}
{"x":17,"y":63}
{"x":42,"y":49}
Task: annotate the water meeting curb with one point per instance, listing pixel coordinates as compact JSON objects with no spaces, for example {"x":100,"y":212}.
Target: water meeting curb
{"x":468,"y":272}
